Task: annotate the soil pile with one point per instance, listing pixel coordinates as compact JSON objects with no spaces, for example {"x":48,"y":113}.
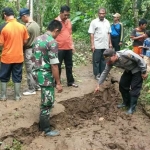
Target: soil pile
{"x":88,"y":121}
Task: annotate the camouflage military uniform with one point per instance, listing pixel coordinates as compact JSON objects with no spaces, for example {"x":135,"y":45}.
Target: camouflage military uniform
{"x":45,"y":53}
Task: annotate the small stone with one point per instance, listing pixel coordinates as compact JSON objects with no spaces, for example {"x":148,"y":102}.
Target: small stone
{"x":112,"y":146}
{"x":101,"y":119}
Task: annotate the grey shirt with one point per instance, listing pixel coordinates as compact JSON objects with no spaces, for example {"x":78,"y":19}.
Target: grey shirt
{"x":34,"y":31}
{"x":127,"y":60}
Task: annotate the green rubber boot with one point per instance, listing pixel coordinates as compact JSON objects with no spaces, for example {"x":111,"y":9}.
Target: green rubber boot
{"x":44,"y":125}
{"x":3,"y":91}
{"x":17,"y":91}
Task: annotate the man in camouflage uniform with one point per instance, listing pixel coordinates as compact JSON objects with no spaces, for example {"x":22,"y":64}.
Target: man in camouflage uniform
{"x":132,"y":78}
{"x":45,"y":70}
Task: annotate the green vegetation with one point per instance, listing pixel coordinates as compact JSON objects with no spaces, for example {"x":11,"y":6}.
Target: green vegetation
{"x":145,"y":95}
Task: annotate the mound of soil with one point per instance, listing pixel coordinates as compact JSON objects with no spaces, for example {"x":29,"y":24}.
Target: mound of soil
{"x":87,"y":121}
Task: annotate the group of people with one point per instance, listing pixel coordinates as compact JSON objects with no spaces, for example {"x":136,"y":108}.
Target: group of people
{"x":43,"y":56}
{"x":106,"y":40}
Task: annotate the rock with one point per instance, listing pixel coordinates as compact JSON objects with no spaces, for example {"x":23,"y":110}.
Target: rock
{"x":7,"y":143}
{"x":112,"y":146}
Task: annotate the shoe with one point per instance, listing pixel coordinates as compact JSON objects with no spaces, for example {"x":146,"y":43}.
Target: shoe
{"x":73,"y":85}
{"x":126,"y":100}
{"x":3,"y":96}
{"x":121,"y":105}
{"x":44,"y":125}
{"x":52,"y":133}
{"x":29,"y":93}
{"x":97,"y":77}
{"x":17,"y":91}
{"x":38,"y":89}
{"x":133,"y":104}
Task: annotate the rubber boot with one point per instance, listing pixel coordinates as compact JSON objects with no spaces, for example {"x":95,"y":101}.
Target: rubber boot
{"x":44,"y":125}
{"x":3,"y":91}
{"x":133,"y":104}
{"x":126,"y":100}
{"x":17,"y":91}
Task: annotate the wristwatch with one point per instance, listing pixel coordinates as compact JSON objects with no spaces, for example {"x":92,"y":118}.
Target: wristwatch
{"x":143,"y":72}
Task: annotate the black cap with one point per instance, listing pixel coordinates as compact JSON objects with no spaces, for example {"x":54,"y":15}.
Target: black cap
{"x":23,"y":11}
{"x":7,"y":11}
{"x":109,"y":52}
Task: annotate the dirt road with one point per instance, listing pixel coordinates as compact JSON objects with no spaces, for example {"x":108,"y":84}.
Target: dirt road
{"x":86,"y":121}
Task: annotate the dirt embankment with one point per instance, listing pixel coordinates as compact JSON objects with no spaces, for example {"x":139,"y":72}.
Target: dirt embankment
{"x":86,"y":121}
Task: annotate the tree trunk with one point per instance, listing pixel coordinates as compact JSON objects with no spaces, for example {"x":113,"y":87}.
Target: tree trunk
{"x":18,"y":4}
{"x":135,"y":12}
{"x":67,"y":2}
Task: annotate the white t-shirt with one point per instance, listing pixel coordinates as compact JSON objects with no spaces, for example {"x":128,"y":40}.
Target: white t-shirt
{"x":100,"y":29}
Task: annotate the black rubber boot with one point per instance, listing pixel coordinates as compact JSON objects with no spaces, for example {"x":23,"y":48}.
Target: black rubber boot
{"x":133,"y":104}
{"x":126,"y":100}
{"x":44,"y":125}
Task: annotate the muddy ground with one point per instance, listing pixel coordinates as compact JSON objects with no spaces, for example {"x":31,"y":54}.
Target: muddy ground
{"x":86,"y":121}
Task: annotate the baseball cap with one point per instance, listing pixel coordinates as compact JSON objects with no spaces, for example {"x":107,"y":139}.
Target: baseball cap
{"x":116,"y":15}
{"x":8,"y":11}
{"x":23,"y":11}
{"x":108,"y":53}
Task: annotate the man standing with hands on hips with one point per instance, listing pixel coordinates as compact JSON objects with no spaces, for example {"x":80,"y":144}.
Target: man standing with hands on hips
{"x":100,"y":40}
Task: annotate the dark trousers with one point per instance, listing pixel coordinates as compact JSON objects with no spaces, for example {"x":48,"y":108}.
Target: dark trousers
{"x":115,"y":42}
{"x":7,"y":69}
{"x":98,"y":61}
{"x":66,"y":55}
{"x":131,"y":83}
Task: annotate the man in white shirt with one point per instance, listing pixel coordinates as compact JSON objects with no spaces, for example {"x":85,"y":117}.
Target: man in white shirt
{"x":100,"y":40}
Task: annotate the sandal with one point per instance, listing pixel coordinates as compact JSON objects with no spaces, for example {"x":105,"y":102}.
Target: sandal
{"x":74,"y":85}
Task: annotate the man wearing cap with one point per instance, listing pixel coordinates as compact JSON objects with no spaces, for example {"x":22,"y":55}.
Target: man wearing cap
{"x":34,"y":31}
{"x":132,"y":78}
{"x":13,"y":36}
{"x":100,"y":40}
{"x":116,"y":32}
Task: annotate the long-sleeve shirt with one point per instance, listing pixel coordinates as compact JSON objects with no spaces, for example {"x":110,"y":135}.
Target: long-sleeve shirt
{"x":127,"y":60}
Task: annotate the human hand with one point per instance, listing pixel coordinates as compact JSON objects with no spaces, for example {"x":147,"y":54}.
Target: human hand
{"x":110,"y":45}
{"x":144,"y":76}
{"x":140,"y":46}
{"x":73,"y":50}
{"x":143,"y":35}
{"x":59,"y":88}
{"x":96,"y":89}
{"x":93,"y":48}
{"x":120,"y":43}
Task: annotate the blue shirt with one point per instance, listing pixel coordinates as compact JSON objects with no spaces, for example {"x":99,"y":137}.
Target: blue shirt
{"x":146,"y":44}
{"x":115,"y":29}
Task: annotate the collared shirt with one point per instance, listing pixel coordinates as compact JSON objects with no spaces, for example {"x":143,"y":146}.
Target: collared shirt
{"x":12,"y":36}
{"x":34,"y":31}
{"x":100,"y":29}
{"x":127,"y":60}
{"x":64,"y":39}
{"x":45,"y":54}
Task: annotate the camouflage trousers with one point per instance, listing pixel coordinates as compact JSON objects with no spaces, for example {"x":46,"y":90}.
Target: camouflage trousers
{"x":47,"y":99}
{"x":32,"y":85}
